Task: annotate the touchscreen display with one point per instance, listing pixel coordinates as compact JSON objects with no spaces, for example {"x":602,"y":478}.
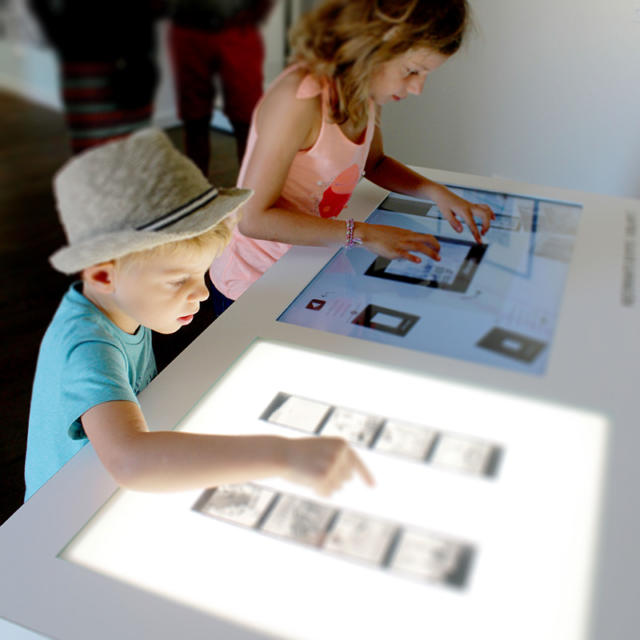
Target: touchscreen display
{"x":495,"y":303}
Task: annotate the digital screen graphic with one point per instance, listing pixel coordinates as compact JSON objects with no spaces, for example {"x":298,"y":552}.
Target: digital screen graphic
{"x":495,"y":303}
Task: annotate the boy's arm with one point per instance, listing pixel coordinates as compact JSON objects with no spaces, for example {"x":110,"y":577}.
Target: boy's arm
{"x":172,"y":461}
{"x":390,"y":174}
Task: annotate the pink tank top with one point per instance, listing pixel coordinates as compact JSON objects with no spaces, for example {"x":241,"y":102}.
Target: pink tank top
{"x":320,"y":182}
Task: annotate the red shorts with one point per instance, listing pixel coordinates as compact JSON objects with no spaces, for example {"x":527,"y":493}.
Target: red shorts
{"x":235,"y":55}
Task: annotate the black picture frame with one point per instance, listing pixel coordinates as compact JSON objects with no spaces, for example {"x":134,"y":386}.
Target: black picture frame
{"x":461,"y":281}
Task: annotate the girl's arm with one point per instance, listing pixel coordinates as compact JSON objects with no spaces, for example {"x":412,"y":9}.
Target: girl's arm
{"x":285,"y":125}
{"x":395,"y":176}
{"x":146,"y":460}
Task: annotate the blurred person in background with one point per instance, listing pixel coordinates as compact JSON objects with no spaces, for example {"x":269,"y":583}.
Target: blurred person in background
{"x":108,"y":71}
{"x":216,"y":40}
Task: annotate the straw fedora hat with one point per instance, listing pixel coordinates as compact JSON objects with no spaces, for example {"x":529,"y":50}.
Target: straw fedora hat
{"x":131,"y":195}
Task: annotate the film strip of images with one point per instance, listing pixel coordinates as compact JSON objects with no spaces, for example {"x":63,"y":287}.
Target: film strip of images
{"x":405,"y":551}
{"x":415,"y":442}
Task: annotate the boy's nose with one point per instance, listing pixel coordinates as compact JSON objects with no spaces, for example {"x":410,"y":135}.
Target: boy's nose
{"x":200,"y":292}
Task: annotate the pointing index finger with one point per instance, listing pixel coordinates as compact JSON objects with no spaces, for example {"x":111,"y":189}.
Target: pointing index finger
{"x":474,"y":230}
{"x":364,"y":472}
{"x":486,"y":213}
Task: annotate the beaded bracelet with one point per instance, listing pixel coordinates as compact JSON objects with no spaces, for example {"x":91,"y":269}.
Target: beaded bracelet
{"x":351,"y":240}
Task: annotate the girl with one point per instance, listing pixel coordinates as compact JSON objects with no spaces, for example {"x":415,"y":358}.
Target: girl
{"x":315,"y":132}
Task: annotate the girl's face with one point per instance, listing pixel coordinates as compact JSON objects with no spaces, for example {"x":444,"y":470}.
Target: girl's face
{"x":404,"y":74}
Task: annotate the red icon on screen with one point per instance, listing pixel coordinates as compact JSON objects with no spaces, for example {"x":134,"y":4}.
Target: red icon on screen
{"x":315,"y":304}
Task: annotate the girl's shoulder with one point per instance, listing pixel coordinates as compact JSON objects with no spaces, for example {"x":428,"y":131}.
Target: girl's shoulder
{"x":297,"y":82}
{"x":295,"y":93}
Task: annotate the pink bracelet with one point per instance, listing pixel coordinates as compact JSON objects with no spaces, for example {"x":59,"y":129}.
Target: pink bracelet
{"x":351,"y":241}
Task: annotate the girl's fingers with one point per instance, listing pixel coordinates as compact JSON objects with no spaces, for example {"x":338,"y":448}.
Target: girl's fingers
{"x":467,"y":212}
{"x":393,"y":242}
{"x":433,"y":242}
{"x":411,"y":257}
{"x":486,"y":214}
{"x":454,"y":222}
{"x":432,"y":253}
{"x":474,"y":229}
{"x":426,"y":244}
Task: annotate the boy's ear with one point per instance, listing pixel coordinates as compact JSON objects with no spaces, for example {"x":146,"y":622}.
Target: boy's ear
{"x":101,"y":276}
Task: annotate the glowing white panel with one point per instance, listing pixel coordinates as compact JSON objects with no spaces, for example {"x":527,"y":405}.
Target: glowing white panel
{"x":504,"y":487}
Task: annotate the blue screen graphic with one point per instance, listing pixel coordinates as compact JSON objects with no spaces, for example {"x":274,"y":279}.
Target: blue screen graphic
{"x":495,"y":304}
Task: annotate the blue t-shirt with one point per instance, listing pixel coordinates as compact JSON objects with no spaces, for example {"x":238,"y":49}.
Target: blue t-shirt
{"x":84,"y":360}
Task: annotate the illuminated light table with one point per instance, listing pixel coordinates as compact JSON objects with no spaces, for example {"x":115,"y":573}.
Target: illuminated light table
{"x":493,"y":401}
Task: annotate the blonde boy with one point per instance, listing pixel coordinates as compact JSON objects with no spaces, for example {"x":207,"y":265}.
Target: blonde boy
{"x":143,"y":226}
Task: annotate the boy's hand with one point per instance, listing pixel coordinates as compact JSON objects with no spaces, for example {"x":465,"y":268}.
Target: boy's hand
{"x":452,"y":206}
{"x":324,"y":464}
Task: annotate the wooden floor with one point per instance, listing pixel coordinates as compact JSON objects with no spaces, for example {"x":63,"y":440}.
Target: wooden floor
{"x":33,"y":145}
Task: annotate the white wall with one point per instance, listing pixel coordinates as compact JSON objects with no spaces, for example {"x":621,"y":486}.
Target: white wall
{"x":545,"y":91}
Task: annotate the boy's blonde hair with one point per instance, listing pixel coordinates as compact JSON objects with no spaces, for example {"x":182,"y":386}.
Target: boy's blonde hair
{"x":214,"y":240}
{"x":344,"y":40}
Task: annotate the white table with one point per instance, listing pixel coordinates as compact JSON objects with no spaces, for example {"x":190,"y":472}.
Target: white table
{"x":554,"y":534}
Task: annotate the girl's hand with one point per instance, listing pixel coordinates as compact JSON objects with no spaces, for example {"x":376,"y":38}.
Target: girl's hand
{"x":394,"y":242}
{"x":324,"y":463}
{"x":452,"y":206}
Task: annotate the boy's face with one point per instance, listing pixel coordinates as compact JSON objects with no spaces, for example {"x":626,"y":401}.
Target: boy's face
{"x":161,"y":292}
{"x":404,"y":74}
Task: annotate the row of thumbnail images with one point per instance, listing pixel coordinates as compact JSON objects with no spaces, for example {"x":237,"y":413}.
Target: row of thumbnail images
{"x":386,"y":435}
{"x":379,"y":543}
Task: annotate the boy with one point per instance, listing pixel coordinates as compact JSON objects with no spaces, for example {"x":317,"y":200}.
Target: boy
{"x":143,"y":225}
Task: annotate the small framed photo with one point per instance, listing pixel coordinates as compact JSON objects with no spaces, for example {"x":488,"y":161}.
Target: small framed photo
{"x":386,"y":320}
{"x":404,"y":205}
{"x":296,"y":412}
{"x":512,"y":344}
{"x":405,"y":439}
{"x":431,"y":557}
{"x":468,"y":455}
{"x":300,"y":520}
{"x":360,"y":537}
{"x":353,"y":426}
{"x":242,"y":504}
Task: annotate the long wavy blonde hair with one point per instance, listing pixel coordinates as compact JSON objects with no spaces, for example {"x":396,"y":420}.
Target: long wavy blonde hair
{"x":344,"y":40}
